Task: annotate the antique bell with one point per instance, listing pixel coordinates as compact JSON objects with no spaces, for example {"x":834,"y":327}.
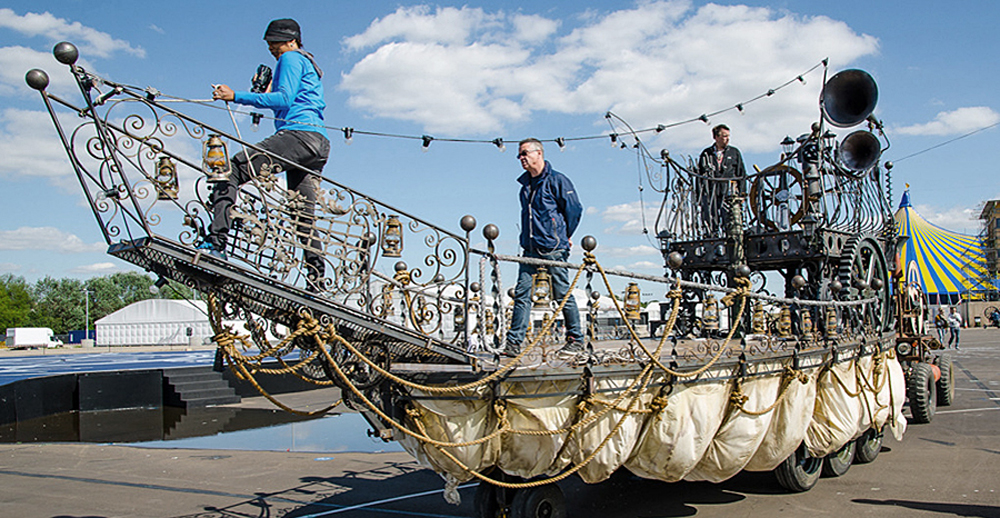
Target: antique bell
{"x":166,"y":179}
{"x":633,"y":301}
{"x":541,"y":287}
{"x":215,"y":159}
{"x":785,"y":323}
{"x":392,"y":238}
{"x":710,"y":314}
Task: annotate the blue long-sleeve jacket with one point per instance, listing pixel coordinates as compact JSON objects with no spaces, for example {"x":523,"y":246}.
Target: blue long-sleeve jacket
{"x":296,"y":95}
{"x":550,"y":210}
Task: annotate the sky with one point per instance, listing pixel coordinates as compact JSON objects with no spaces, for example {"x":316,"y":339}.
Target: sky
{"x":510,"y":70}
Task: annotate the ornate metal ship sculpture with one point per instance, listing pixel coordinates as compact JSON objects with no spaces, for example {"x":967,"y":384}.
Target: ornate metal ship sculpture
{"x":409,"y":319}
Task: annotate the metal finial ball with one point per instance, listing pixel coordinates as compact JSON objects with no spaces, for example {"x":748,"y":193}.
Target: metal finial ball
{"x":798,"y":282}
{"x":37,"y":79}
{"x":877,"y":283}
{"x":836,"y":286}
{"x":595,"y":294}
{"x":589,"y":243}
{"x":474,"y":287}
{"x":510,"y":292}
{"x":439,"y":278}
{"x":65,"y":53}
{"x":889,"y":165}
{"x":491,"y":232}
{"x":369,"y":239}
{"x":675,"y":259}
{"x":468,"y":223}
{"x":400,"y":266}
{"x":743,"y":271}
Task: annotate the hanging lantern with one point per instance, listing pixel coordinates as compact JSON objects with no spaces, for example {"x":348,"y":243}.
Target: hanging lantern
{"x":541,"y":287}
{"x":392,"y":238}
{"x":831,"y":322}
{"x":215,"y":159}
{"x":710,"y":314}
{"x":785,"y":323}
{"x":633,"y":301}
{"x":166,"y":179}
{"x":807,"y":323}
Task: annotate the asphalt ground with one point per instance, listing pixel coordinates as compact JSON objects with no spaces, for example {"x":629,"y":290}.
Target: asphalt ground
{"x":950,"y":467}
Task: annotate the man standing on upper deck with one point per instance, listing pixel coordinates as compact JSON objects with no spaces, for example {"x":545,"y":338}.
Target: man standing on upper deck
{"x":296,"y":98}
{"x":718,"y":161}
{"x":550,"y":213}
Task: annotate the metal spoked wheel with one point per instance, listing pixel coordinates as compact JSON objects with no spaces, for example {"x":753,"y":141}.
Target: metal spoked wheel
{"x":864,"y":274}
{"x":773,"y":188}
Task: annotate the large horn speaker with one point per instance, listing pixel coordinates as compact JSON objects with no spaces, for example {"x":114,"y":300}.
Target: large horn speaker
{"x":849,"y":97}
{"x":859,"y":150}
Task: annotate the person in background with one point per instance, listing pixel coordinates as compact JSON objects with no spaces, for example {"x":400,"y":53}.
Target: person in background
{"x":941,"y":324}
{"x":954,"y":326}
{"x":721,"y":169}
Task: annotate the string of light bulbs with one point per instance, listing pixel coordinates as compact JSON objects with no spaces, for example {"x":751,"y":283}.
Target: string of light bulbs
{"x":500,"y":143}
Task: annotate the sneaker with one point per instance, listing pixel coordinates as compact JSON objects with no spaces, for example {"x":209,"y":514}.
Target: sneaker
{"x":212,"y":250}
{"x":512,"y":349}
{"x":571,"y":350}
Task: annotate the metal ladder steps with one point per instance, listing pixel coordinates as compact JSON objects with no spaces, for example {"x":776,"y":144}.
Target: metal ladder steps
{"x":197,"y":387}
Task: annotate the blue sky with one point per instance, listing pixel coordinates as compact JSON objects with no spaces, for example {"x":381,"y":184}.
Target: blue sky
{"x":508,"y":69}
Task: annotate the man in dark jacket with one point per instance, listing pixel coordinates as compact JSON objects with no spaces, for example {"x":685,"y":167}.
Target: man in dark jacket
{"x":719,"y":165}
{"x":550,"y":213}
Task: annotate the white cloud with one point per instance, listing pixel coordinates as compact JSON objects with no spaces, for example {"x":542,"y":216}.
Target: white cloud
{"x":98,"y":269}
{"x":155,"y":28}
{"x":628,"y":251}
{"x":9,"y":268}
{"x":659,"y":62}
{"x":30,"y":147}
{"x":90,"y":41}
{"x":48,"y":239}
{"x":958,"y":219}
{"x":962,"y":120}
{"x":16,"y":61}
{"x":627,"y":218}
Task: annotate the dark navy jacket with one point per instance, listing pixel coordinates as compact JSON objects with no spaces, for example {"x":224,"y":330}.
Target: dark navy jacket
{"x":550,"y":210}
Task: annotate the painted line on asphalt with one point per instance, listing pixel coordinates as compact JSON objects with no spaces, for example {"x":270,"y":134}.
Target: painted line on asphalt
{"x":386,"y":501}
{"x":968,"y":410}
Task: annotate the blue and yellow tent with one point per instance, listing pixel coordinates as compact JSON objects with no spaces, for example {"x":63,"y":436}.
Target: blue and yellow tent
{"x":948,"y":264}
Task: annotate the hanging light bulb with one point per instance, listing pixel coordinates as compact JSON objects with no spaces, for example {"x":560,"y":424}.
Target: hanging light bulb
{"x":348,"y":136}
{"x":561,"y":142}
{"x":614,"y":140}
{"x":801,"y":79}
{"x":739,"y":108}
{"x":703,"y":118}
{"x":427,"y":142}
{"x":498,"y":142}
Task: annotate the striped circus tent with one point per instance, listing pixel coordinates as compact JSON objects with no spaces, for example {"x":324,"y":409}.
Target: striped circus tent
{"x":947,"y":263}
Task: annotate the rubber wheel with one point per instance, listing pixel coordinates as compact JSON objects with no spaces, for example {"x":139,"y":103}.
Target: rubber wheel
{"x":922,"y":393}
{"x":838,"y":462}
{"x":485,"y":501}
{"x":799,"y":472}
{"x":945,"y":385}
{"x":868,"y":446}
{"x":539,"y":502}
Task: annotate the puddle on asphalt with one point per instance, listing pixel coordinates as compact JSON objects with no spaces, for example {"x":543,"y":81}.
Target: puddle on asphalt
{"x":222,"y":428}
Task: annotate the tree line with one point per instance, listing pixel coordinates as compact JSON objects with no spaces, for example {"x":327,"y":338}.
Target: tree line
{"x":62,"y":304}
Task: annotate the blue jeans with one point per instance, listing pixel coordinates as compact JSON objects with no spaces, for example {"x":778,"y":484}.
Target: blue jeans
{"x":954,"y":336}
{"x":522,"y":297}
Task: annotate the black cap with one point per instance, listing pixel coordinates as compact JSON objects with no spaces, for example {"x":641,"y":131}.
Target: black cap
{"x":285,"y":29}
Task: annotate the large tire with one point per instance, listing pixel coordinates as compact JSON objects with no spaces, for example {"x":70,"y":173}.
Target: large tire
{"x":922,"y":393}
{"x":799,"y":472}
{"x":868,"y":446}
{"x":485,"y":501}
{"x":838,"y":462}
{"x":945,"y":385}
{"x":539,"y":502}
